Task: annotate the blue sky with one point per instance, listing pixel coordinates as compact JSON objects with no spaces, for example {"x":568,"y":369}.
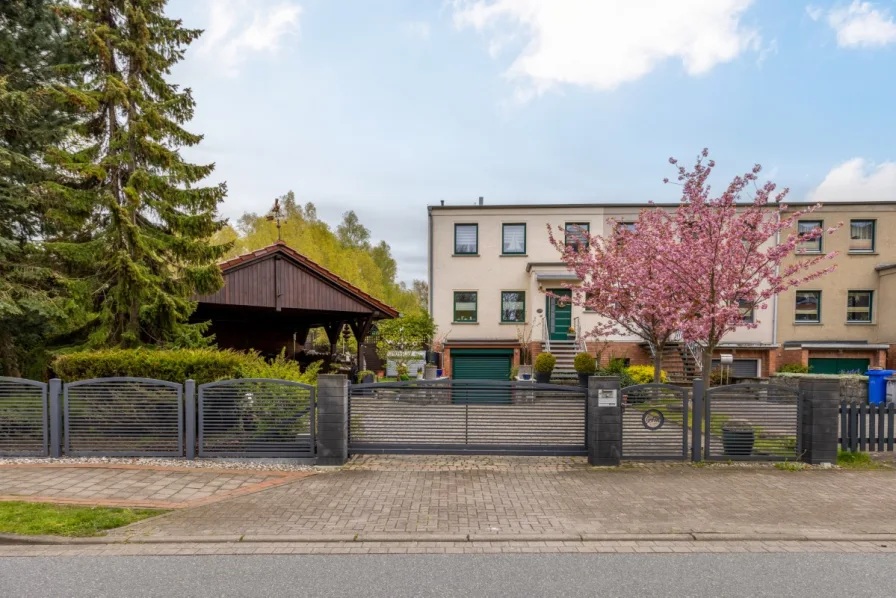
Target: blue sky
{"x":384,"y":107}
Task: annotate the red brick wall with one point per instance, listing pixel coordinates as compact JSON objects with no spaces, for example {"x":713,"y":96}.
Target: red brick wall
{"x":877,"y":358}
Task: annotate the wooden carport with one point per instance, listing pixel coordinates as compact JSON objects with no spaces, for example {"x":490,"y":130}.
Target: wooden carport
{"x":274,"y":296}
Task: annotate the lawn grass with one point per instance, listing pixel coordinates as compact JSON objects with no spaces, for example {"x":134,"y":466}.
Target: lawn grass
{"x":850,"y":460}
{"x":33,"y":519}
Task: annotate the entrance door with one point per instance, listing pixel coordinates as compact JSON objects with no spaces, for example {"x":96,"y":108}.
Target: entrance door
{"x":559,"y":313}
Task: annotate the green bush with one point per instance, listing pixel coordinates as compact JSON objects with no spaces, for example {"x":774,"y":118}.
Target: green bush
{"x":178,"y":365}
{"x":363,"y":373}
{"x":643,"y":374}
{"x":793,"y":368}
{"x":544,"y":363}
{"x":514,"y":372}
{"x":584,"y":364}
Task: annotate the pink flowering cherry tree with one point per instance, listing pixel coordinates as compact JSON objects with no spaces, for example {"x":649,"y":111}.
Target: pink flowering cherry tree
{"x":719,"y":256}
{"x":621,"y":282}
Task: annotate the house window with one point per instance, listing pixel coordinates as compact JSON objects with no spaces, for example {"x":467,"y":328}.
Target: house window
{"x":858,"y":306}
{"x":747,"y":315}
{"x":808,"y":306}
{"x":466,"y":239}
{"x":577,"y":235}
{"x":861,"y":236}
{"x":514,"y":239}
{"x":588,"y":298}
{"x":805,"y":227}
{"x":629,"y":226}
{"x":513,"y":306}
{"x":465,"y":306}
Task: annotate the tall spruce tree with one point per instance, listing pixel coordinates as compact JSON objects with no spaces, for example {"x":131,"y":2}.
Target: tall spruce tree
{"x":32,"y":121}
{"x":151,"y":220}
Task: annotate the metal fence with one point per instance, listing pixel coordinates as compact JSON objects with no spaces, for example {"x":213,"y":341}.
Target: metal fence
{"x":24,"y":429}
{"x":755,"y":422}
{"x":138,"y":417}
{"x":655,"y":422}
{"x":460,"y":416}
{"x":867,"y":427}
{"x":256,"y":417}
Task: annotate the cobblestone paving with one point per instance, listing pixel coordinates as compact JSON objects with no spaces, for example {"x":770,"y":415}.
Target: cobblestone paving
{"x":525,"y":496}
{"x":137,"y":486}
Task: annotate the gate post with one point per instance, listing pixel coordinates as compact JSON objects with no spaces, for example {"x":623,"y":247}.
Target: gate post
{"x":604,"y":421}
{"x":818,"y":406}
{"x":332,"y":419}
{"x":190,"y":418}
{"x":55,"y":391}
{"x":697,"y":420}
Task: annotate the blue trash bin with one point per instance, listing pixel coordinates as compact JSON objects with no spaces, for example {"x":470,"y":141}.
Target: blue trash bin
{"x":877,"y":385}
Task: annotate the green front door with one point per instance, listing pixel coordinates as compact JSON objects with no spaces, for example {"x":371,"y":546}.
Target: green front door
{"x":836,"y":365}
{"x":559,"y":313}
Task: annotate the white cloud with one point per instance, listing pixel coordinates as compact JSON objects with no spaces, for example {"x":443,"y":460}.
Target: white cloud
{"x":239,"y":28}
{"x":814,"y":12}
{"x":417,"y":30}
{"x":601,"y":45}
{"x":859,"y":24}
{"x":858,"y":180}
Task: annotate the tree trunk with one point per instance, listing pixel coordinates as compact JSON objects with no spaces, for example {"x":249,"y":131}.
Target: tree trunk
{"x":707,"y":365}
{"x":8,"y":354}
{"x":658,"y":363}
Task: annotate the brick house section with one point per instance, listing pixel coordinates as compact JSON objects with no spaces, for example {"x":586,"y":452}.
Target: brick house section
{"x":875,"y":357}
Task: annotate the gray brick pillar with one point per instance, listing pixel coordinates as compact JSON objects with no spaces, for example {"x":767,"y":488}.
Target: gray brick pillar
{"x":819,"y":406}
{"x":604,"y":421}
{"x":332,"y":420}
{"x":190,"y":419}
{"x":55,"y":399}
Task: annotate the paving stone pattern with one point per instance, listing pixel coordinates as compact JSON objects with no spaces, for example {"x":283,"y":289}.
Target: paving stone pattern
{"x":492,"y":495}
{"x":130,"y":486}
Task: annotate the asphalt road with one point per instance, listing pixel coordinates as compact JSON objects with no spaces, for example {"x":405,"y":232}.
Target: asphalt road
{"x":776,"y":575}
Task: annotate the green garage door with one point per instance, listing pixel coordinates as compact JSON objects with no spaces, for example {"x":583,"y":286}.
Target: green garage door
{"x":481,"y":364}
{"x":821,"y":365}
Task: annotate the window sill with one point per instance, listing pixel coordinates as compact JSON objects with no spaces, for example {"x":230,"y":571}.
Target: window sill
{"x":848,"y":323}
{"x":862,"y":253}
{"x":799,"y":253}
{"x":464,"y":255}
{"x":465,"y":323}
{"x":513,"y":255}
{"x":513,"y":323}
{"x":807,"y":324}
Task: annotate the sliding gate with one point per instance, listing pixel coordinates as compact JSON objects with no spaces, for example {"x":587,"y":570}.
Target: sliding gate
{"x":467,"y":417}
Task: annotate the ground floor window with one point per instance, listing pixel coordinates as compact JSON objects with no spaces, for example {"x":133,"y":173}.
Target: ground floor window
{"x":808,"y":306}
{"x":858,"y":306}
{"x":513,"y":306}
{"x":465,"y":306}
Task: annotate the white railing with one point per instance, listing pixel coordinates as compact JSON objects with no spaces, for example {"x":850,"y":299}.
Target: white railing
{"x":581,"y":346}
{"x":545,"y":337}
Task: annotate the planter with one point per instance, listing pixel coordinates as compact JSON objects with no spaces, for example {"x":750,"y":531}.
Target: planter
{"x":738,"y":443}
{"x":527,"y":376}
{"x":439,"y":373}
{"x":430,"y":372}
{"x":583,"y":379}
{"x":525,"y":372}
{"x":543,"y":377}
{"x":381,"y":374}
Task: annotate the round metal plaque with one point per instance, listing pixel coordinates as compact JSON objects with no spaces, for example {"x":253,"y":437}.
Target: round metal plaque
{"x":653,"y":419}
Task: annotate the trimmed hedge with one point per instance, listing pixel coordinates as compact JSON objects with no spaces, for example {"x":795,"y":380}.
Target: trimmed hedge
{"x":178,"y":365}
{"x":544,"y":363}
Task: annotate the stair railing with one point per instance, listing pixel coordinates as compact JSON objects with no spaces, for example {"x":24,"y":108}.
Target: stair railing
{"x":581,"y":347}
{"x":545,"y":337}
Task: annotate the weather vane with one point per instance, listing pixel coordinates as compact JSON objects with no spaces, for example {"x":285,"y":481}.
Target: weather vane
{"x":276,"y":214}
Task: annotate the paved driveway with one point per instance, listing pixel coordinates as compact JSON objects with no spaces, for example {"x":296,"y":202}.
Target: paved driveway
{"x":525,"y":496}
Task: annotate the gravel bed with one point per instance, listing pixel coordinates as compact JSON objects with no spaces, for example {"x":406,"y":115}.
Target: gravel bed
{"x":254,"y":464}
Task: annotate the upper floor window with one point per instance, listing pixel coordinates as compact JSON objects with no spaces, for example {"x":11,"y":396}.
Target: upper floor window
{"x":629,"y":226}
{"x":805,"y":227}
{"x":577,"y":235}
{"x":513,"y":241}
{"x":513,"y":306}
{"x":466,"y":239}
{"x":465,"y":306}
{"x":858,"y":306}
{"x":808,"y":306}
{"x":861,"y":236}
{"x":747,"y":314}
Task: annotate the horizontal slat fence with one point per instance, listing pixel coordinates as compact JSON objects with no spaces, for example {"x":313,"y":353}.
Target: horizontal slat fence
{"x":23,"y":418}
{"x":866,"y":427}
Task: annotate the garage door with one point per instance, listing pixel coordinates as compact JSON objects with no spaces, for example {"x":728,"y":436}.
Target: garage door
{"x":741,"y":368}
{"x":833,"y":365}
{"x":482,"y":364}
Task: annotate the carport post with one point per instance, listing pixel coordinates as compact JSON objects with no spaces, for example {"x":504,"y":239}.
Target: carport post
{"x":55,"y":392}
{"x":818,"y":405}
{"x":332,"y":419}
{"x":190,"y":418}
{"x":604,"y":421}
{"x":697,"y":418}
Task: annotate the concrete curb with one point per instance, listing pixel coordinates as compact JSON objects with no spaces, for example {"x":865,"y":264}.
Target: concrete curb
{"x":13,"y":539}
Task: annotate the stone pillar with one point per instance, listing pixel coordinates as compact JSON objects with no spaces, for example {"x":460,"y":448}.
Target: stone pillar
{"x":332,"y":419}
{"x":55,"y":400}
{"x":604,"y":421}
{"x":819,"y":404}
{"x":190,"y":419}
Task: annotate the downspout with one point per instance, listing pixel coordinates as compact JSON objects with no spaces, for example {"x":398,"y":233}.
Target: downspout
{"x":429,"y":258}
{"x":775,"y":297}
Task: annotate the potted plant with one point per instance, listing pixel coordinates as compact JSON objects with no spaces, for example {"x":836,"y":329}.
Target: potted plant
{"x":430,"y":371}
{"x":571,"y":333}
{"x":544,"y":366}
{"x":585,"y":367}
{"x":738,"y":437}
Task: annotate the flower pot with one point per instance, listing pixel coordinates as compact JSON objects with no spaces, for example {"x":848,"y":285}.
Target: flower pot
{"x":583,"y":379}
{"x":738,"y":443}
{"x":543,"y":377}
{"x":525,"y":372}
{"x":439,"y":373}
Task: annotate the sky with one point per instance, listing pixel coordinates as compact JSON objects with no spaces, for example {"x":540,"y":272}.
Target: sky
{"x":387,"y":106}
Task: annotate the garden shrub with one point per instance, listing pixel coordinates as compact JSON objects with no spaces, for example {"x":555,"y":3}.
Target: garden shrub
{"x":643,"y":374}
{"x":544,"y":363}
{"x":793,"y":368}
{"x":584,"y":364}
{"x":178,"y":365}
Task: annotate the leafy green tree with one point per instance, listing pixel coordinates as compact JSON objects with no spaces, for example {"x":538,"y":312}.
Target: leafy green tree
{"x":32,"y":121}
{"x":352,"y":233}
{"x":402,"y":338}
{"x":150,"y":219}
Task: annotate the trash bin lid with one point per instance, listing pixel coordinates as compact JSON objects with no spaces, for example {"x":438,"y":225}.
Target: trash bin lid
{"x":880,"y":372}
